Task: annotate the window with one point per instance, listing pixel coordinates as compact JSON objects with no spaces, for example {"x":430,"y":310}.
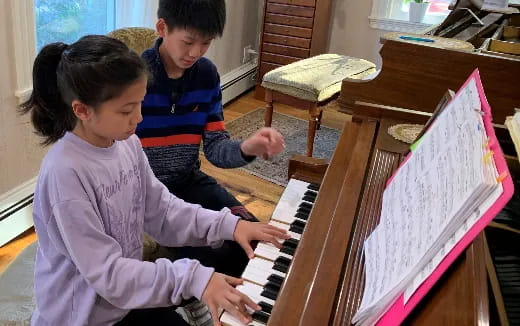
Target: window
{"x":436,"y":13}
{"x":39,"y":22}
{"x":68,"y":20}
{"x":392,"y":15}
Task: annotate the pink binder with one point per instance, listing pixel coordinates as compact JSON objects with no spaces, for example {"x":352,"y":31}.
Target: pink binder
{"x":398,"y":310}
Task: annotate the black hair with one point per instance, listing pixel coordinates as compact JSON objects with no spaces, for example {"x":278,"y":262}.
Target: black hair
{"x":92,"y":70}
{"x":206,"y":17}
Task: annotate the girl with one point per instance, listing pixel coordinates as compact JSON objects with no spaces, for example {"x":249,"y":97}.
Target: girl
{"x":96,"y":195}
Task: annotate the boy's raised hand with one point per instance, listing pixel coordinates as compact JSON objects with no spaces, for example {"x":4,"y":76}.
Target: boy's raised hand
{"x":245,"y":232}
{"x":265,"y":142}
{"x":220,"y":293}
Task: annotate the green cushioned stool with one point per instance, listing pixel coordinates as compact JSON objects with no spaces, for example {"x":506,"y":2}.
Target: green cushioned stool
{"x":312,"y":83}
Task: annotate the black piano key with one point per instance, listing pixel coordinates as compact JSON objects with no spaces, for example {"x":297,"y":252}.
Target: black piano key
{"x":283,"y":260}
{"x":291,"y":243}
{"x":267,"y":308}
{"x":260,"y":316}
{"x":314,"y":187}
{"x":275,"y":279}
{"x":272,"y":286}
{"x":303,"y":210}
{"x":309,"y":198}
{"x":311,"y":193}
{"x":296,"y":229}
{"x":267,"y":293}
{"x":299,"y":224}
{"x":305,"y":205}
{"x":302,"y":216}
{"x":288,"y":250}
{"x":280,"y":267}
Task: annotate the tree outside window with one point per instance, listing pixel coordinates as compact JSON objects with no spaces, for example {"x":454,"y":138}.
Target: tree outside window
{"x":68,"y":20}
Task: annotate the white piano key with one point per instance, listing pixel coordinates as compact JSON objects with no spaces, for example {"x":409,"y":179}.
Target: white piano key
{"x":284,"y":226}
{"x":229,"y":320}
{"x":270,"y":252}
{"x":290,"y":201}
{"x":264,"y":266}
{"x":254,"y":292}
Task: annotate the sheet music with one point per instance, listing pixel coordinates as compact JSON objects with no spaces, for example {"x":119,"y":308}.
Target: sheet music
{"x":450,"y":244}
{"x":426,"y":203}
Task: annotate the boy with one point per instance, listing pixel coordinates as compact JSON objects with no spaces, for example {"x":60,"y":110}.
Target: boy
{"x":183,"y":107}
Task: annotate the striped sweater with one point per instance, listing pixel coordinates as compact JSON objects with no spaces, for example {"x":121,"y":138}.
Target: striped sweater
{"x":179,"y":114}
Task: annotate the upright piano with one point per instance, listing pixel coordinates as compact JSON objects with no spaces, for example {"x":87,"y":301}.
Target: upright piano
{"x":317,"y":279}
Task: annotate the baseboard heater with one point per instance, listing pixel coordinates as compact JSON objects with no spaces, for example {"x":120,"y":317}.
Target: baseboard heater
{"x":238,"y":81}
{"x":16,"y":212}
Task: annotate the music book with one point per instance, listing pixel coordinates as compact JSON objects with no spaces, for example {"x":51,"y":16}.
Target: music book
{"x":446,"y":190}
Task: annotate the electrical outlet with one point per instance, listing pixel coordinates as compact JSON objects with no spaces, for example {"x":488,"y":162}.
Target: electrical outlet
{"x":246,"y":55}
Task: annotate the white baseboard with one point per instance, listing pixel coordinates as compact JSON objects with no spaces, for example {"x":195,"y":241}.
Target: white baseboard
{"x":238,"y":81}
{"x":16,"y":211}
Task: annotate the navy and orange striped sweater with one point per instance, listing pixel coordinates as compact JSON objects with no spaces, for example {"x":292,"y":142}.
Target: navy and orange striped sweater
{"x":179,"y":114}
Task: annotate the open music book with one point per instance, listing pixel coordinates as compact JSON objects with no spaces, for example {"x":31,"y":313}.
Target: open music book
{"x":447,"y":189}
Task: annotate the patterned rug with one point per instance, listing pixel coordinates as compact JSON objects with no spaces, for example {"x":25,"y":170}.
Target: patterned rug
{"x":294,"y":131}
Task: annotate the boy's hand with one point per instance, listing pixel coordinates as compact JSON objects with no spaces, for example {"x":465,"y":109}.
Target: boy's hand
{"x":220,"y":293}
{"x":265,"y":142}
{"x":245,"y":232}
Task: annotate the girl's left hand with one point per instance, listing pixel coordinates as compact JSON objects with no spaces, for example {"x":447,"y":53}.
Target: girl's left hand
{"x":245,"y":232}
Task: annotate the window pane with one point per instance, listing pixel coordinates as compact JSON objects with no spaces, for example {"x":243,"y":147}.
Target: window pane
{"x":68,"y":20}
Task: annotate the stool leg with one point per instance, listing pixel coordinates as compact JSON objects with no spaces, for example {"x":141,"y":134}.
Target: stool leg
{"x":319,"y":120}
{"x":313,"y":123}
{"x":269,"y":107}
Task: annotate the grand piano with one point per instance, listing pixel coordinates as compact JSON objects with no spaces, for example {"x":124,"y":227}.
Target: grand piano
{"x":317,"y":279}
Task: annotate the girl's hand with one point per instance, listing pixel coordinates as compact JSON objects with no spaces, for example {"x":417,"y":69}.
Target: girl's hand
{"x":220,"y":293}
{"x":265,"y":142}
{"x":245,"y":232}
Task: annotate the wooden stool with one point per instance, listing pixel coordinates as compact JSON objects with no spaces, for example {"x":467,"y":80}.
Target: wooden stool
{"x":311,"y":83}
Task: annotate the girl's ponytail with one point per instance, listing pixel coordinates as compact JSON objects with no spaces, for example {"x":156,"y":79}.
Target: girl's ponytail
{"x":50,"y":116}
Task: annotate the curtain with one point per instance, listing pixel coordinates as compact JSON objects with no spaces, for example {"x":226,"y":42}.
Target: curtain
{"x":136,"y":13}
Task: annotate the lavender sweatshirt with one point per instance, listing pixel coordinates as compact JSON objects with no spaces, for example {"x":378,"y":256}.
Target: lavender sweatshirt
{"x":91,"y":207}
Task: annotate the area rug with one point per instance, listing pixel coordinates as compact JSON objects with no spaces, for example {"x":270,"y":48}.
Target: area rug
{"x":294,"y":131}
{"x":16,"y":289}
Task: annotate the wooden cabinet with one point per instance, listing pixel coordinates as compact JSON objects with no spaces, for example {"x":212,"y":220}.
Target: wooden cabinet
{"x":292,"y":30}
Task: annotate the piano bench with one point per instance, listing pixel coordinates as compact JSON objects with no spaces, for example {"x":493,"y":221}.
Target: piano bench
{"x":311,"y":83}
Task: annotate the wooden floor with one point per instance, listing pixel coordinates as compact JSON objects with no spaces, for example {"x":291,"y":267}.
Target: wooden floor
{"x":259,"y":196}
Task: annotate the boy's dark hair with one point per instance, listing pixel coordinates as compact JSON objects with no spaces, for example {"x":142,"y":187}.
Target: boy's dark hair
{"x":207,"y":17}
{"x":92,"y":70}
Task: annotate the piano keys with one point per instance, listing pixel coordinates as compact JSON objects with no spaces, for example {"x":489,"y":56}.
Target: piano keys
{"x":265,"y":273}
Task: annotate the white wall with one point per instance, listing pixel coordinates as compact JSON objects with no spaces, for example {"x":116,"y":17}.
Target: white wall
{"x":350,"y":31}
{"x":242,"y":29}
{"x":20,"y":153}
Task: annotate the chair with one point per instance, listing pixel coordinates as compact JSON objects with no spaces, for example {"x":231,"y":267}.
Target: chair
{"x":137,"y":39}
{"x":311,"y":83}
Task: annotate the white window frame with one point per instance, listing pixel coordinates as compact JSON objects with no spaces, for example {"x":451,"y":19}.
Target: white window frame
{"x":380,"y":18}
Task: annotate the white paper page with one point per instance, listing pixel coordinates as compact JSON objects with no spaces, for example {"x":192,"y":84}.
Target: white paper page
{"x":450,"y":244}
